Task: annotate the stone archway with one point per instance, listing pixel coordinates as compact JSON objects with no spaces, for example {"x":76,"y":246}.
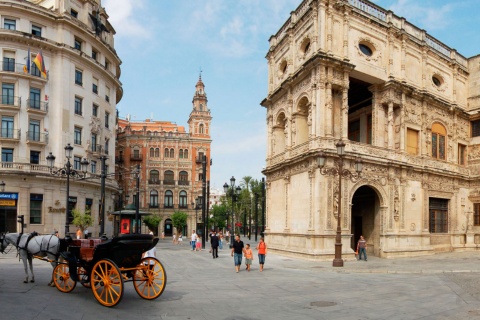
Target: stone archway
{"x":366,"y":218}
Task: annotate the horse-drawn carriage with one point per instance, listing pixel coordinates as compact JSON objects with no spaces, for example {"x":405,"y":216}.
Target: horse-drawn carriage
{"x":103,"y":266}
{"x":106,"y":266}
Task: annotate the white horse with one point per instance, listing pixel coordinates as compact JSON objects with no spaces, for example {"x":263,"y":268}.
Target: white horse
{"x":41,"y":246}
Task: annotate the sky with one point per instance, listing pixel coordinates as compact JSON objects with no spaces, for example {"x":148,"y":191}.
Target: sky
{"x":164,"y":44}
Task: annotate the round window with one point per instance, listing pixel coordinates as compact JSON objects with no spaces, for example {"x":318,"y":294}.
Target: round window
{"x":436,"y":81}
{"x":365,"y":49}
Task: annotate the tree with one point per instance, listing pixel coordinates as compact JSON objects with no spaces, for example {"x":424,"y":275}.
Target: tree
{"x":219,"y":212}
{"x":179,"y":221}
{"x":152,"y":221}
{"x":82,"y":220}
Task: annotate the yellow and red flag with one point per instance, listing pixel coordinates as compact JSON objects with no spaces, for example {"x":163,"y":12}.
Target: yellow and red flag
{"x":40,"y":63}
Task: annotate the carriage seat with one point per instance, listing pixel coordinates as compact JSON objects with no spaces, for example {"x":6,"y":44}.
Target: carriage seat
{"x":87,"y":246}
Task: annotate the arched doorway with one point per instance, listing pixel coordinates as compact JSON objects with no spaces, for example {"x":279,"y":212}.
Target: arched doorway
{"x":168,"y":229}
{"x":366,"y":219}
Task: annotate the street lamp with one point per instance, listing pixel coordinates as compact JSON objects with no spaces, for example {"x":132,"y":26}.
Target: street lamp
{"x":67,"y":172}
{"x":341,"y":172}
{"x":234,"y":192}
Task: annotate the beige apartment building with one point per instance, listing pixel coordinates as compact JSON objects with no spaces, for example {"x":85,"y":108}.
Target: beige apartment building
{"x":69,"y":99}
{"x":403,"y":102}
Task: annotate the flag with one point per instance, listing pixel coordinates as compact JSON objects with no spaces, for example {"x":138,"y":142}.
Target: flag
{"x":39,"y":62}
{"x":26,"y":67}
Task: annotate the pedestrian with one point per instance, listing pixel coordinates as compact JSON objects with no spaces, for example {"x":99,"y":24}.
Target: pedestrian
{"x":180,"y":239}
{"x":193,"y":240}
{"x":174,"y":238}
{"x":237,"y":251}
{"x":220,"y":241}
{"x":79,"y":234}
{"x":163,"y":235}
{"x":214,"y":243}
{"x":362,"y":248}
{"x":227,"y":236}
{"x":262,"y":252}
{"x":152,"y":253}
{"x":248,"y":257}
{"x":198,"y":245}
{"x":86,"y":233}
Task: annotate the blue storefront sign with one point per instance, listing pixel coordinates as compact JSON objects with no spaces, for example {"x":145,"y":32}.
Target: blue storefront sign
{"x":9,"y":195}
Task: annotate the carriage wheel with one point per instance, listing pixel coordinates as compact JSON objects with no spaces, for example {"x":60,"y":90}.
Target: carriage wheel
{"x":150,"y":278}
{"x":83,"y":277}
{"x":62,"y":279}
{"x":107,"y":283}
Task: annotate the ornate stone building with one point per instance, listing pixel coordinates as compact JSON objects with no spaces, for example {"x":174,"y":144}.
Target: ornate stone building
{"x":72,"y":101}
{"x":403,"y":102}
{"x":170,"y":160}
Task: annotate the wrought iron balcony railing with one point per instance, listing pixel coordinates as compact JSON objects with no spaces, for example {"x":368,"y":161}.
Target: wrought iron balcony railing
{"x":35,"y":136}
{"x":9,"y":100}
{"x":169,"y":182}
{"x":154,"y":181}
{"x":13,"y":134}
{"x":37,"y":105}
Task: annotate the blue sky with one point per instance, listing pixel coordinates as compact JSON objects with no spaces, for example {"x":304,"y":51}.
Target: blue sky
{"x":164,"y":43}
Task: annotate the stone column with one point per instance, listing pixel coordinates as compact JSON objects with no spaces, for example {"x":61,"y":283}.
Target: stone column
{"x":329,"y":110}
{"x":390,"y":125}
{"x":344,"y":114}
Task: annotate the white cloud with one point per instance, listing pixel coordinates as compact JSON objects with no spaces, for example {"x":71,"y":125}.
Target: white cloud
{"x":126,"y":19}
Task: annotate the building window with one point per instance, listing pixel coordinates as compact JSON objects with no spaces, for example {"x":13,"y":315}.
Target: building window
{"x":94,"y":142}
{"x":73,"y":13}
{"x":185,"y":153}
{"x":438,"y":209}
{"x":34,"y":101}
{"x":8,"y":64}
{"x":107,"y":142}
{"x":412,"y":141}
{"x":369,"y":129}
{"x":172,"y":153}
{"x":34,"y":157}
{"x":77,"y":163}
{"x":88,"y":205}
{"x":168,"y":202}
{"x":93,"y":166}
{"x":34,"y":130}
{"x":201,"y":128}
{"x":476,"y":214}
{"x":7,"y":127}
{"x":354,"y":131}
{"x":183,"y":199}
{"x":153,"y":199}
{"x":78,"y":77}
{"x":95,"y":85}
{"x":36,"y":208}
{"x":168,"y":177}
{"x":154,"y":176}
{"x":10,"y":24}
{"x":107,"y":119}
{"x":77,"y":135}
{"x":7,"y":155}
{"x":78,"y":106}
{"x":95,"y":110}
{"x":157,"y":152}
{"x":438,"y":141}
{"x":136,"y":154}
{"x":462,"y":150}
{"x":8,"y":91}
{"x":152,"y":152}
{"x":183,"y":176}
{"x":180,"y":154}
{"x":36,"y":31}
{"x":94,"y":55}
{"x":167,"y":153}
{"x":78,"y":44}
{"x":107,"y":94}
{"x":107,"y":64}
{"x":475,"y":128}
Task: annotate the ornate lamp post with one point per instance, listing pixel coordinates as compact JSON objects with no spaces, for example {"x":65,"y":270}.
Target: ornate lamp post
{"x":68,"y":172}
{"x":341,"y":172}
{"x":234,"y":192}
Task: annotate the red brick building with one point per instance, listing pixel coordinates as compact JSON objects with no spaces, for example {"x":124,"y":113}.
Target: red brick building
{"x":170,"y":162}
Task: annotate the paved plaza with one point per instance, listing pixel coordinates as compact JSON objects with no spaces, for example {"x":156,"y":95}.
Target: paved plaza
{"x":441,"y":286}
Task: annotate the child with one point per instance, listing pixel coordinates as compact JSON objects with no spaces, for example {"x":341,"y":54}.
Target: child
{"x":198,"y":245}
{"x":248,"y":256}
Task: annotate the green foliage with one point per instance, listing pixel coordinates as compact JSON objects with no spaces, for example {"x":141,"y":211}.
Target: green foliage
{"x":152,"y":221}
{"x":82,"y":219}
{"x":220,"y":213}
{"x":179,"y":220}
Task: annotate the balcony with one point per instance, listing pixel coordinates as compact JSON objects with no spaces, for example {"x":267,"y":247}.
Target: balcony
{"x":36,"y":137}
{"x":11,"y":102}
{"x":136,"y":157}
{"x":9,"y":134}
{"x":37,"y":106}
{"x":153,"y":205}
{"x":153,"y":181}
{"x":118,"y":159}
{"x":168,"y":206}
{"x":183,"y":182}
{"x":10,"y":66}
{"x":198,"y":160}
{"x":168,"y":182}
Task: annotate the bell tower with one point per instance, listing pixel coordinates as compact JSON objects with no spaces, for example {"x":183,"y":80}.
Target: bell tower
{"x":200,"y":118}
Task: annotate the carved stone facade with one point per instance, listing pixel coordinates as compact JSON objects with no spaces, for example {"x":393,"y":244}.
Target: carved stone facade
{"x":402,"y":101}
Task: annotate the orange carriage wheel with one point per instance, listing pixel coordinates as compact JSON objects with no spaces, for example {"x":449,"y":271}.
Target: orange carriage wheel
{"x":83,"y":277}
{"x":62,"y":279}
{"x":107,"y":283}
{"x":149,"y":278}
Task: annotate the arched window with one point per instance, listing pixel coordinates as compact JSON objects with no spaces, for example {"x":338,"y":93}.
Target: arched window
{"x":152,"y":152}
{"x":279,"y":134}
{"x":185,"y":154}
{"x":300,"y":135}
{"x":180,"y":154}
{"x":172,"y":153}
{"x":168,"y":202}
{"x":183,"y":199}
{"x":167,"y":153}
{"x":183,"y":178}
{"x":153,"y":199}
{"x":154,"y":177}
{"x":201,"y":128}
{"x":201,"y":107}
{"x":439,"y":141}
{"x":157,"y":152}
{"x":168,"y":178}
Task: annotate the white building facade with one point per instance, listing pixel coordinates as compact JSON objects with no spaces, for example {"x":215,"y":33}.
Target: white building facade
{"x":74,"y":103}
{"x":403,"y":102}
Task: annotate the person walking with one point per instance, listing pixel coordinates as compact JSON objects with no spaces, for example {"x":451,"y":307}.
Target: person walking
{"x":193,"y":240}
{"x":214,"y":243}
{"x":79,"y":234}
{"x":174,"y":238}
{"x":262,"y":252}
{"x":220,"y":241}
{"x":86,"y":233}
{"x":362,"y":248}
{"x":163,"y":235}
{"x":248,"y":257}
{"x":238,"y":250}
